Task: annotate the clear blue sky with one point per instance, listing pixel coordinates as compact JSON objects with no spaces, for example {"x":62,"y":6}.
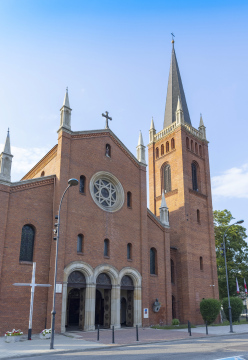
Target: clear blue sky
{"x":115,"y":56}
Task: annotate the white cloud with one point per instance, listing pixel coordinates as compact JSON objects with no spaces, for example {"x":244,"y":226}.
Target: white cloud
{"x":231,"y":183}
{"x":24,"y":160}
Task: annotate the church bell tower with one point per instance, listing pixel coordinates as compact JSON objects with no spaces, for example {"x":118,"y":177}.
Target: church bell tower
{"x":179,"y":168}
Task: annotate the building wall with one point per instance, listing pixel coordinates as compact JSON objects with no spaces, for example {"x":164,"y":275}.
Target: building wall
{"x":28,"y":204}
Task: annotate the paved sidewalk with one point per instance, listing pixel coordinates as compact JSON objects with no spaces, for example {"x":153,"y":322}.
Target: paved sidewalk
{"x":79,"y":340}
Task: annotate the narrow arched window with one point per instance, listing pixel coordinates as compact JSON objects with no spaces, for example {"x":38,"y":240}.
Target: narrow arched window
{"x":129,"y":251}
{"x":153,"y":261}
{"x":201,"y":263}
{"x":43,"y":173}
{"x":108,"y":150}
{"x":27,"y":243}
{"x":167,"y":178}
{"x":80,"y":244}
{"x":200,"y":150}
{"x":194,"y":176}
{"x":187,"y":142}
{"x":172,"y":143}
{"x":129,"y":199}
{"x":157,"y":153}
{"x":192,"y":145}
{"x":162,"y":149}
{"x":82,"y":185}
{"x":198,"y":216}
{"x":106,"y":247}
{"x":196,"y":148}
{"x":167,"y":146}
{"x":172,"y":272}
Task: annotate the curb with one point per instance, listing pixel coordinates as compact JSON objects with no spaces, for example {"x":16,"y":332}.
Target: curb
{"x":54,"y":352}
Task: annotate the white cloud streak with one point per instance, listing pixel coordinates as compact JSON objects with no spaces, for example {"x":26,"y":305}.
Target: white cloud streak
{"x":232,"y":183}
{"x":24,"y":160}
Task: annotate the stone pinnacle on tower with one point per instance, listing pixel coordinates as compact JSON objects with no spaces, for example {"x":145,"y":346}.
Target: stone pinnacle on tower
{"x":141,"y":155}
{"x":65,"y":113}
{"x":6,"y":161}
{"x":202,"y":128}
{"x":175,"y":90}
{"x":152,"y":131}
{"x":179,"y":113}
{"x":164,"y":214}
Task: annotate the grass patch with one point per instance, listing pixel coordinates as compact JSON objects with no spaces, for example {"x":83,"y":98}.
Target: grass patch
{"x":225,"y":323}
{"x":172,"y":327}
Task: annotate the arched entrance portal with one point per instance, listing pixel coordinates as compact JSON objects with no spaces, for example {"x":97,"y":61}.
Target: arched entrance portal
{"x":76,"y":299}
{"x":103,"y":301}
{"x":127,"y":290}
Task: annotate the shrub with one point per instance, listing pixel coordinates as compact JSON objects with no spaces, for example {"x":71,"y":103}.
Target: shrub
{"x":175,"y":322}
{"x":236,"y":305}
{"x":210,"y":308}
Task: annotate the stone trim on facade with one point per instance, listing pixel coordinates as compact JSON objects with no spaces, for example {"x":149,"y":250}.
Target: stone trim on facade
{"x":197,"y":193}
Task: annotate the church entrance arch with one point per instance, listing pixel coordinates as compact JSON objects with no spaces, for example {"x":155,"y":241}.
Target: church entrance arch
{"x":76,"y":299}
{"x":103,"y":301}
{"x":127,"y":297}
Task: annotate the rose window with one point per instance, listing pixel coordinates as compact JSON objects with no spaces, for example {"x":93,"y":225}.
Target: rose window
{"x":107,"y":191}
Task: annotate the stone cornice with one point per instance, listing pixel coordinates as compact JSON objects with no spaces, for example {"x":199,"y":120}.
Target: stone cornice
{"x":156,"y":220}
{"x":32,"y":183}
{"x":42,"y":163}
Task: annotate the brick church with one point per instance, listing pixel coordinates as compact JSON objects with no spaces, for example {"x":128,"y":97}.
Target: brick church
{"x":119,"y":263}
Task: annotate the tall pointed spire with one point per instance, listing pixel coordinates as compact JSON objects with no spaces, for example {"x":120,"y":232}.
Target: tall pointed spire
{"x":164,"y":213}
{"x":175,"y":90}
{"x":6,"y":149}
{"x":141,"y":154}
{"x":65,"y":113}
{"x":152,"y":131}
{"x":6,"y":161}
{"x":202,"y":128}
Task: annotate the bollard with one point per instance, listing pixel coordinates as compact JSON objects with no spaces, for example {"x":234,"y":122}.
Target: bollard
{"x":137,"y":333}
{"x":189,"y":328}
{"x":98,"y":332}
{"x":206,"y":328}
{"x":113,"y":334}
{"x":45,"y":323}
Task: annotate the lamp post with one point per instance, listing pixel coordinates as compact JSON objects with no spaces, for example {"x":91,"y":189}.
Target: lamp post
{"x":224,"y":248}
{"x":71,"y":182}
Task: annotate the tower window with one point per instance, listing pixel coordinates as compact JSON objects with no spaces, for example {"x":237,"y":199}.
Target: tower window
{"x":43,"y":173}
{"x":129,"y":251}
{"x":172,"y":272}
{"x":192,"y":145}
{"x":157,"y":153}
{"x":196,"y":148}
{"x":106,"y":247}
{"x":167,"y":146}
{"x":167,"y":178}
{"x":172,"y":143}
{"x":82,"y":184}
{"x":80,"y":243}
{"x":200,"y":150}
{"x":153,"y":261}
{"x":129,"y":199}
{"x":194,"y":176}
{"x":198,"y":216}
{"x":162,"y":149}
{"x":108,"y":150}
{"x":187,"y":142}
{"x":27,"y":243}
{"x":201,"y":263}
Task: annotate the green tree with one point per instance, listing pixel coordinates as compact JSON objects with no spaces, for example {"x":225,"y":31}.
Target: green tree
{"x":236,"y":253}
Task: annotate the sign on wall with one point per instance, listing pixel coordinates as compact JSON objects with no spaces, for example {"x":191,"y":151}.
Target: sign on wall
{"x":146,"y":313}
{"x":58,"y":288}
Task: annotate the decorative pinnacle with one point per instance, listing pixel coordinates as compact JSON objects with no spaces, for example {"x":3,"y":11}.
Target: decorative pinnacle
{"x":172,"y":41}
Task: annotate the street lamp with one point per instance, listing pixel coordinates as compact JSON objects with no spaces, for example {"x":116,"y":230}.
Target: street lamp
{"x":224,"y":248}
{"x":71,"y":182}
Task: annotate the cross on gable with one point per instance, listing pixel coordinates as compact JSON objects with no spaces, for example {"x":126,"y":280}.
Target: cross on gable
{"x":107,"y":118}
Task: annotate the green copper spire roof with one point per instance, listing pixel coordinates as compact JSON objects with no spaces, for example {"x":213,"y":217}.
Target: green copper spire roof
{"x":175,"y":91}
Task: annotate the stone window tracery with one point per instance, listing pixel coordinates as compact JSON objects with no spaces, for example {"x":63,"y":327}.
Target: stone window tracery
{"x":27,"y":243}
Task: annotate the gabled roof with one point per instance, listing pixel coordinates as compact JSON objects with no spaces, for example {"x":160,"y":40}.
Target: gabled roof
{"x":175,"y":90}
